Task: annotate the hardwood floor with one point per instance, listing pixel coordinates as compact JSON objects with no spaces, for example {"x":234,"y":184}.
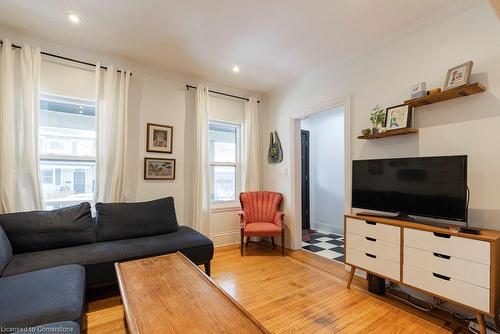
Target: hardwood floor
{"x":286,"y":295}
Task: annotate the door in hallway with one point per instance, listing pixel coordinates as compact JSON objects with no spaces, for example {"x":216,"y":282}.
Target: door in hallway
{"x":306,"y":223}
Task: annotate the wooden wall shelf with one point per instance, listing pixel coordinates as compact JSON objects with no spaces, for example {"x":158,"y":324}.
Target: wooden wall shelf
{"x":390,"y":133}
{"x":446,"y":95}
{"x":453,"y":93}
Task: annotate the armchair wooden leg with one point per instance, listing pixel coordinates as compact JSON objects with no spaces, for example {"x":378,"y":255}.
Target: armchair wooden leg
{"x":272,"y":241}
{"x":248,"y":240}
{"x":242,"y":243}
{"x":283,"y":242}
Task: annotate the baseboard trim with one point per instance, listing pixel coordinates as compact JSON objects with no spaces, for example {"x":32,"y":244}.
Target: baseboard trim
{"x":227,"y":247}
{"x":226,"y":238}
{"x":327,"y":227}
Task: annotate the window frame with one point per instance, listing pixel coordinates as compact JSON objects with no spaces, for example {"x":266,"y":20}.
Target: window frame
{"x":65,"y":158}
{"x":221,"y":205}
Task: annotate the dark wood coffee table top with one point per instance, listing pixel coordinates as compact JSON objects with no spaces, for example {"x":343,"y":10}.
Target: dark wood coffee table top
{"x":169,"y":294}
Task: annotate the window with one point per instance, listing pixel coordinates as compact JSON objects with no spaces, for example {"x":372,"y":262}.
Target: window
{"x":224,"y":141}
{"x":67,"y":141}
{"x":47,"y":176}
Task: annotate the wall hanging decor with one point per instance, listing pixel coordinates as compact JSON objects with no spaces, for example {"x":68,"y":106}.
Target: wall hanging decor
{"x":458,"y":76}
{"x":159,"y":169}
{"x":398,"y":117}
{"x":159,"y":138}
{"x":275,"y":154}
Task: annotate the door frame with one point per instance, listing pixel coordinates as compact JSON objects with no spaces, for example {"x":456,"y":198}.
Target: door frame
{"x":308,"y":189}
{"x":295,"y":165}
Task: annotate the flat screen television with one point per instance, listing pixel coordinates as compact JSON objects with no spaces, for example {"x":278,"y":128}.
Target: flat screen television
{"x":434,"y":187}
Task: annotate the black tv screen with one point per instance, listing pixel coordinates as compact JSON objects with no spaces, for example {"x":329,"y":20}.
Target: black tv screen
{"x":433,"y":187}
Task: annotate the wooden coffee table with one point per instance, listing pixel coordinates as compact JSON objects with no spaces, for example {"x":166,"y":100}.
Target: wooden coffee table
{"x":169,"y":294}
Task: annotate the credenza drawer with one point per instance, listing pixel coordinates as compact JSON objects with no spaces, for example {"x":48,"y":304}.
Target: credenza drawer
{"x":373,"y":263}
{"x":463,"y":248}
{"x":374,"y":230}
{"x":374,"y":246}
{"x":463,"y":270}
{"x":447,"y":287}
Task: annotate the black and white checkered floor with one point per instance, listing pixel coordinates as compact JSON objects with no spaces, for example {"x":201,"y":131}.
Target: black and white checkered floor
{"x":328,"y":245}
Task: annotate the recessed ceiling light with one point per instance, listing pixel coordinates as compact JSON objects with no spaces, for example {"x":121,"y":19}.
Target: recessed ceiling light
{"x":73,"y":18}
{"x":236,"y":69}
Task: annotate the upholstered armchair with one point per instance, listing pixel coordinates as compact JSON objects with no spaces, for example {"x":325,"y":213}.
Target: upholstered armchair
{"x":260,"y":217}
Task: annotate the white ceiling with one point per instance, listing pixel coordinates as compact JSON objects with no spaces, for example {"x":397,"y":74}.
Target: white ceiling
{"x":272,"y":41}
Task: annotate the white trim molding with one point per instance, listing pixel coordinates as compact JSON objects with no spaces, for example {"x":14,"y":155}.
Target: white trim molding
{"x":295,"y":219}
{"x":226,"y":238}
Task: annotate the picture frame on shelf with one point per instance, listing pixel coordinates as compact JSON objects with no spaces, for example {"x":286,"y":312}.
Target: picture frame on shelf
{"x":458,"y":76}
{"x":398,"y":117}
{"x":159,"y":169}
{"x":159,"y":138}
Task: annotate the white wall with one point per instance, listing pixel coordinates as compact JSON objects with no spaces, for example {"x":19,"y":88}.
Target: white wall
{"x":468,"y":125}
{"x":326,"y":169}
{"x":155,"y":97}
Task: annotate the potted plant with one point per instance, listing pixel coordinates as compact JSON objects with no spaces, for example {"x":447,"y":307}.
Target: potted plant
{"x":377,"y":118}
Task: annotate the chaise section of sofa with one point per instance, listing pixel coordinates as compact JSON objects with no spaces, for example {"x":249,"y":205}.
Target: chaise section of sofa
{"x":41,"y":297}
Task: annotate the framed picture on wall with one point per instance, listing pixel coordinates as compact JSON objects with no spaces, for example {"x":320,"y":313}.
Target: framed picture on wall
{"x":458,"y":76}
{"x":398,"y":117}
{"x":159,"y":169}
{"x":159,"y":138}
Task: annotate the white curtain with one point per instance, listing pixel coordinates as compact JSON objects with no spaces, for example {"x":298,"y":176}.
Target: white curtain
{"x":252,"y":162}
{"x":19,"y":110}
{"x":111,"y":131}
{"x":201,"y":210}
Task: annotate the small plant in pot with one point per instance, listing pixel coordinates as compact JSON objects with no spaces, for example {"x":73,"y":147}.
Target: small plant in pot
{"x":377,"y":118}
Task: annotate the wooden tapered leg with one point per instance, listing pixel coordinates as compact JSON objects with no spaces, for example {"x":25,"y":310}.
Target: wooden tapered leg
{"x":242,"y":243}
{"x":248,"y":240}
{"x":481,"y":323}
{"x":272,"y":241}
{"x":282,"y":242}
{"x":351,"y":276}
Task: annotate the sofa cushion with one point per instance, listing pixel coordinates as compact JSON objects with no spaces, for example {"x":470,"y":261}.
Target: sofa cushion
{"x":41,"y":230}
{"x":194,"y":245}
{"x":5,"y":250}
{"x":42,"y":296}
{"x":117,"y":221}
{"x":54,"y":327}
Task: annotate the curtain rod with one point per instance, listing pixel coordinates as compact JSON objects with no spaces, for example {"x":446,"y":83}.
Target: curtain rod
{"x":224,"y":94}
{"x":64,"y":58}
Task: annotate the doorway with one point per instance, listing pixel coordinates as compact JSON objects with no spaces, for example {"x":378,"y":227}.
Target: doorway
{"x":323,"y":182}
{"x":306,"y":218}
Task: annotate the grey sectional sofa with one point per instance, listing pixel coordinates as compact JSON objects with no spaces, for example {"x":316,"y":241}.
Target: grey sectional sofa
{"x":48,"y":258}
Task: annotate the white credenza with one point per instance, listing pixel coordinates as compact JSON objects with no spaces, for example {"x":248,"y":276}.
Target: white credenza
{"x":453,"y":266}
